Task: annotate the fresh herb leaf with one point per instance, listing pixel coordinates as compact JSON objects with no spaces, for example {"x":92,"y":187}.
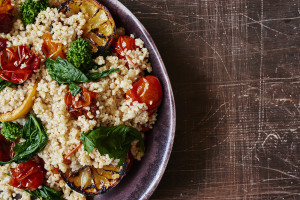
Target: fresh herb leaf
{"x":74,"y":89}
{"x":8,"y":174}
{"x":35,"y":136}
{"x":94,"y":65}
{"x":63,"y":71}
{"x":93,"y":76}
{"x":114,"y":141}
{"x":46,"y":193}
{"x":4,"y":83}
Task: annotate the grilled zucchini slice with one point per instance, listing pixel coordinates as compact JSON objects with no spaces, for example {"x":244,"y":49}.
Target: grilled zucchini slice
{"x":100,"y":27}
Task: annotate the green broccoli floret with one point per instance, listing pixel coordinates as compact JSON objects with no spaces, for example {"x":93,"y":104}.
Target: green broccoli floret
{"x":11,"y":131}
{"x":30,"y":9}
{"x":80,"y":54}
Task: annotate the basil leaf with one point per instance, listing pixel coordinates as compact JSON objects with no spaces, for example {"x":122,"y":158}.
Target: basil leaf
{"x":114,"y":141}
{"x":4,"y":83}
{"x":46,"y":193}
{"x":74,"y":89}
{"x":35,"y":136}
{"x":93,"y":76}
{"x":93,"y":65}
{"x":63,"y":71}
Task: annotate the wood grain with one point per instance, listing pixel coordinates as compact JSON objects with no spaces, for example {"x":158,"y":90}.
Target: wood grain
{"x":234,"y":67}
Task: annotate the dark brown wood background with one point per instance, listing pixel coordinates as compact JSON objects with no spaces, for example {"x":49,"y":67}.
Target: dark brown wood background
{"x":234,"y":67}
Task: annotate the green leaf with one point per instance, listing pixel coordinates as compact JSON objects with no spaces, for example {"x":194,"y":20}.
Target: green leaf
{"x":4,"y":83}
{"x":46,"y":193}
{"x":93,"y":76}
{"x":114,"y":141}
{"x":74,"y":89}
{"x":35,"y":136}
{"x":63,"y":71}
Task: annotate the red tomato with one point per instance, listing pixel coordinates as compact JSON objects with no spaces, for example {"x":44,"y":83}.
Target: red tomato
{"x":3,"y":44}
{"x":52,"y":49}
{"x":6,"y":23}
{"x":76,"y":106}
{"x":147,"y":90}
{"x":6,"y":18}
{"x":27,"y":176}
{"x":17,"y":63}
{"x":123,"y":44}
{"x":5,"y":147}
{"x":6,"y":7}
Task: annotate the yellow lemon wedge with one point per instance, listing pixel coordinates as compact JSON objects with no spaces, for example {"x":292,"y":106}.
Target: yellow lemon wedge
{"x":100,"y":26}
{"x":23,"y":109}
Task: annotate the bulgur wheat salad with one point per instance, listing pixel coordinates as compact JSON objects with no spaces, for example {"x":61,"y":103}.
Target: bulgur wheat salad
{"x":75,"y":99}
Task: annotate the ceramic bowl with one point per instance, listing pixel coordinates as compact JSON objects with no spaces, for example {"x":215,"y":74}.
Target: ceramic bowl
{"x":142,"y":180}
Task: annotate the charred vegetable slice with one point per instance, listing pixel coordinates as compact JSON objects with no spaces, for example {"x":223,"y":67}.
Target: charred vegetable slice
{"x":23,"y":109}
{"x":91,"y":181}
{"x":100,"y":27}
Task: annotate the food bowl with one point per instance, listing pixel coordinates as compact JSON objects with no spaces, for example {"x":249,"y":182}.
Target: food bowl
{"x":143,"y":179}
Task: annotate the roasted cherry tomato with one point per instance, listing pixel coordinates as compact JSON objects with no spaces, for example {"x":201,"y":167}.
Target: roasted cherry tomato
{"x":147,"y":90}
{"x":27,"y":176}
{"x":5,"y":147}
{"x":52,"y":49}
{"x":124,"y":44}
{"x":6,"y":7}
{"x":6,"y":23}
{"x":3,"y":44}
{"x":77,"y":105}
{"x":6,"y":17}
{"x":17,"y":63}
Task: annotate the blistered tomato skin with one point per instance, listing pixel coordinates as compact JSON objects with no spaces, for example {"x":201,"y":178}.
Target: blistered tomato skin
{"x":147,"y":90}
{"x":76,"y":106}
{"x":123,"y":44}
{"x":6,"y":23}
{"x":27,"y":176}
{"x":17,"y":63}
{"x":51,"y":49}
{"x":5,"y":146}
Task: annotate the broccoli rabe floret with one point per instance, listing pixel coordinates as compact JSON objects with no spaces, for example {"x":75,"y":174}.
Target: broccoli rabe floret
{"x":30,"y":9}
{"x":11,"y":131}
{"x":80,"y":54}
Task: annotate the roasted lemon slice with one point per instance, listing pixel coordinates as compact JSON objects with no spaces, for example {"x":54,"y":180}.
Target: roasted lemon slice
{"x":23,"y":109}
{"x":91,"y":181}
{"x":100,"y":27}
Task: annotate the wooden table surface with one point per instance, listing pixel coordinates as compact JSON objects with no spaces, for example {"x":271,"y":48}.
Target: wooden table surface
{"x":234,"y":68}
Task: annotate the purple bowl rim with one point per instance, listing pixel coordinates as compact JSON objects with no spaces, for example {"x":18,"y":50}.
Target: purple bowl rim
{"x":165,"y":158}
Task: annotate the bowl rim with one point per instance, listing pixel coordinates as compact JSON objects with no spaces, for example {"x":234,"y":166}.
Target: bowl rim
{"x":167,"y":91}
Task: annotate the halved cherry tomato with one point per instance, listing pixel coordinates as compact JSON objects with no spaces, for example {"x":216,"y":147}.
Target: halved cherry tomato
{"x":76,"y":106}
{"x":27,"y":176}
{"x":124,"y":44}
{"x":3,"y":44}
{"x":6,"y":18}
{"x":6,"y":7}
{"x":17,"y":63}
{"x":6,"y":23}
{"x":147,"y":90}
{"x":5,"y":147}
{"x":52,"y":49}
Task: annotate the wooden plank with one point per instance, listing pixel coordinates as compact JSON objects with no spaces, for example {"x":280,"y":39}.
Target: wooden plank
{"x":234,"y":67}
